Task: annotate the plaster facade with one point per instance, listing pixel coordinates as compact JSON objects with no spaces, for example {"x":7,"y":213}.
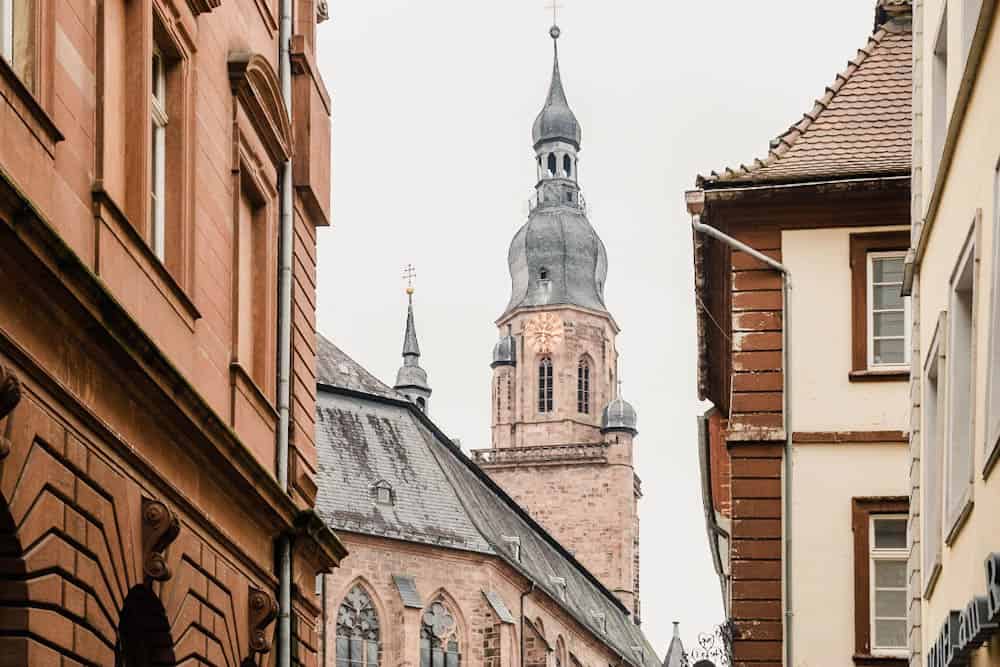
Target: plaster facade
{"x":827,"y":479}
{"x":958,"y":207}
{"x":824,"y":399}
{"x":139,"y":498}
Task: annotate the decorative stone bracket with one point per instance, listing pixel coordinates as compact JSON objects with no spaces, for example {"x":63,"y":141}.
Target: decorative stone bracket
{"x":10,"y":396}
{"x":263,"y":610}
{"x":159,"y":529}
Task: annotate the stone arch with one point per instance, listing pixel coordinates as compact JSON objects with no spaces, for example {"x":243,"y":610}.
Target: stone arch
{"x":144,"y":638}
{"x":359,"y":636}
{"x":370,"y":589}
{"x":561,"y":656}
{"x":704,"y":663}
{"x":461,"y":626}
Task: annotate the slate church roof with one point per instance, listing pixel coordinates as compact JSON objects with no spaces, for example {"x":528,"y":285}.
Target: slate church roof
{"x":861,"y":126}
{"x":368,"y":434}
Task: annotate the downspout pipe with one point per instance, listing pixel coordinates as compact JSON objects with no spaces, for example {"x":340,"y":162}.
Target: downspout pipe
{"x":524,"y":594}
{"x":696,"y":206}
{"x":284,"y":629}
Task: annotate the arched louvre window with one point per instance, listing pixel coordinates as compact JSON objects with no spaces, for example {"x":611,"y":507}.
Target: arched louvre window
{"x":438,"y":641}
{"x":357,"y":631}
{"x":583,"y":387}
{"x":545,"y":385}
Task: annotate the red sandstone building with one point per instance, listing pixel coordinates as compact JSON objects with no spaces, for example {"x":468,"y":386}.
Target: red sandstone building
{"x":156,"y":431}
{"x":804,"y":351}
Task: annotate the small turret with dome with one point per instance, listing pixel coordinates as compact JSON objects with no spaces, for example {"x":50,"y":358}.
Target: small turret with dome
{"x":411,"y":379}
{"x":619,"y":415}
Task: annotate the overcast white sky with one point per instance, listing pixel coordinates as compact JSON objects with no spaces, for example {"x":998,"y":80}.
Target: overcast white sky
{"x":433,"y":102}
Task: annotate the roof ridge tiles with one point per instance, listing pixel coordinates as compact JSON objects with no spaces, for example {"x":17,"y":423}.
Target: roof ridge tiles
{"x":785,"y":141}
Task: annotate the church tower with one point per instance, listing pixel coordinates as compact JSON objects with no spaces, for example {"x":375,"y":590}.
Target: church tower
{"x":562,"y":435}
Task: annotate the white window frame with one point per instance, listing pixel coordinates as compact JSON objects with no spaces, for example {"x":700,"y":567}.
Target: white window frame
{"x":877,"y":554}
{"x":992,"y":425}
{"x":932,"y":435}
{"x":961,"y":392}
{"x":158,"y":118}
{"x":7,"y":30}
{"x":870,"y":312}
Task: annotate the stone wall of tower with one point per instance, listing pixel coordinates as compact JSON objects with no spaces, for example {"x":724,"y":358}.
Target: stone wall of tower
{"x":516,"y":419}
{"x":588,"y":501}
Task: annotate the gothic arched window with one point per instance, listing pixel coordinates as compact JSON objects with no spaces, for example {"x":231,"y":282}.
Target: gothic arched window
{"x":545,"y":385}
{"x":583,"y":386}
{"x":357,"y":631}
{"x":438,"y":638}
{"x":567,"y":166}
{"x":552,"y":164}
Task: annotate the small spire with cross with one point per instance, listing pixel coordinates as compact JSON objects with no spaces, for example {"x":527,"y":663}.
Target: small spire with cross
{"x":555,"y":7}
{"x":409,"y":273}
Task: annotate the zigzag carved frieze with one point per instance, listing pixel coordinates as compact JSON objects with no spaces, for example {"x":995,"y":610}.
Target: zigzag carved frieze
{"x":82,"y":544}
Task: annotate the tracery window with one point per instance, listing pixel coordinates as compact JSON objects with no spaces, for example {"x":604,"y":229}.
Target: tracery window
{"x":545,"y":385}
{"x":438,"y":638}
{"x":583,"y":387}
{"x":357,"y":631}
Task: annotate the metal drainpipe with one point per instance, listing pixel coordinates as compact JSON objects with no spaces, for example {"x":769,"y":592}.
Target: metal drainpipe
{"x":786,"y":275}
{"x":284,"y":653}
{"x":524,"y":594}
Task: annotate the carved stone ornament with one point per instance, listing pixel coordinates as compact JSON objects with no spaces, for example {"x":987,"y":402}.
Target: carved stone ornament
{"x":544,"y":332}
{"x":159,"y":529}
{"x":263,"y":611}
{"x":10,"y":396}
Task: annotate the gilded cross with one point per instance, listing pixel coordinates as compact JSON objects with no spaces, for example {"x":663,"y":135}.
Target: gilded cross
{"x":409,"y":273}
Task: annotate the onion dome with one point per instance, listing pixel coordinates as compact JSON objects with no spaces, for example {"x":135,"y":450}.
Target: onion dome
{"x":557,"y":258}
{"x":556,"y":121}
{"x":505,"y":351}
{"x":619,"y":416}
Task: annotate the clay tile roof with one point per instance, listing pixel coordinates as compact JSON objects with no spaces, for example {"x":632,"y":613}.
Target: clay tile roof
{"x":859,"y":127}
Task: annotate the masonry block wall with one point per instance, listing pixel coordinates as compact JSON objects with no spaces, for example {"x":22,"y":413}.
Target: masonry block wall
{"x":139,"y":320}
{"x":458,"y":578}
{"x":757,"y":402}
{"x":591,"y":507}
{"x":755,"y":553}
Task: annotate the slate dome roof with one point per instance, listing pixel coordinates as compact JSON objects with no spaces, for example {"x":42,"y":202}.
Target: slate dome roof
{"x":556,"y":121}
{"x":557,"y":258}
{"x":619,"y":416}
{"x":505,"y":352}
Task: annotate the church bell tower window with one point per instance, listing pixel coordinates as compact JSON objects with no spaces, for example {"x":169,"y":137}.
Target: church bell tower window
{"x":583,"y":387}
{"x":545,"y":385}
{"x":552,"y":164}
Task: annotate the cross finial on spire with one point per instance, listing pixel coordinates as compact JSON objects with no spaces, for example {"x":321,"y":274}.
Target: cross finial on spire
{"x":555,"y":7}
{"x":409,"y":273}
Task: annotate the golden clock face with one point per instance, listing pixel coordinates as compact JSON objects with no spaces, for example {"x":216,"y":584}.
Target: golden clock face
{"x":544,"y":332}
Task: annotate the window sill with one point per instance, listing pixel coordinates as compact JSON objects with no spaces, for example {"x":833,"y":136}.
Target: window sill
{"x":21,"y":99}
{"x":992,"y":457}
{"x":957,"y":521}
{"x":897,"y":375}
{"x":879,"y":660}
{"x":136,"y":245}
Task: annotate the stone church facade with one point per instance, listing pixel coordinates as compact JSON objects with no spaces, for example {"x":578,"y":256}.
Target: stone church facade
{"x":526,"y":554}
{"x":141,"y":496}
